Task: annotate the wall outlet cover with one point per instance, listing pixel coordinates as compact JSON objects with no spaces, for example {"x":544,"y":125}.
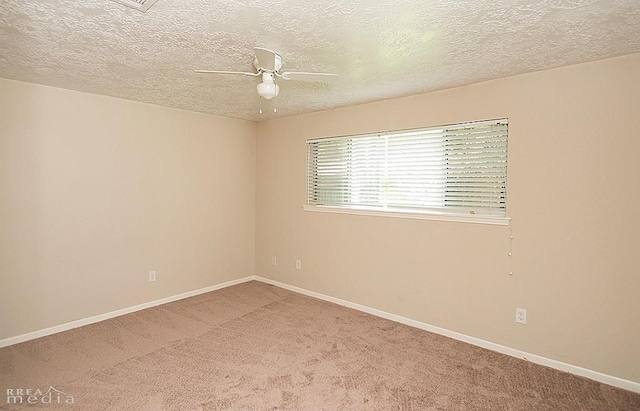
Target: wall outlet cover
{"x":521,"y":316}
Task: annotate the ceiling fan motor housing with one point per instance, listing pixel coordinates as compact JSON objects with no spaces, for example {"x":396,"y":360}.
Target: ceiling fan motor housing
{"x":277,"y":65}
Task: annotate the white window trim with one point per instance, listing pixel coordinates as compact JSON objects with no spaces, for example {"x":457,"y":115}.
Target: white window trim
{"x":458,"y":218}
{"x":416,"y":213}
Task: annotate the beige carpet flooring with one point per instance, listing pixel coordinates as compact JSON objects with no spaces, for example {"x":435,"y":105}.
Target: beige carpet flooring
{"x":259,"y":347}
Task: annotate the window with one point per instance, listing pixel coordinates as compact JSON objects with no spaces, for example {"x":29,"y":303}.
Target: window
{"x":457,"y":172}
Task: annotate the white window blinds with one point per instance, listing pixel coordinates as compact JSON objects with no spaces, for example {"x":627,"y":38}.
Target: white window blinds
{"x":454,"y":169}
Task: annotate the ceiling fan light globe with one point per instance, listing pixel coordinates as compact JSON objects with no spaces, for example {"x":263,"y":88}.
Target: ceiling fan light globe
{"x":268,"y":90}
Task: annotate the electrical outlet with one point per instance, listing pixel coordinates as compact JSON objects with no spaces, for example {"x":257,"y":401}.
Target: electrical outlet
{"x":521,"y":316}
{"x":298,"y":265}
{"x":152,"y":275}
{"x":274,"y":261}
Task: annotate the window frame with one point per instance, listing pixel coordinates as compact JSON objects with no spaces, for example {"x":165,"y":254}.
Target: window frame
{"x":437,"y":213}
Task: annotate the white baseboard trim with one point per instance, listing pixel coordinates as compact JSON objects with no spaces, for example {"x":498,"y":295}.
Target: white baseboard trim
{"x":537,"y":359}
{"x":101,"y":317}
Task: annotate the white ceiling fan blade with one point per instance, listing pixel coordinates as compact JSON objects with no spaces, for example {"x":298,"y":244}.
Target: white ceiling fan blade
{"x":312,"y":77}
{"x":227,"y":72}
{"x":266,"y":58}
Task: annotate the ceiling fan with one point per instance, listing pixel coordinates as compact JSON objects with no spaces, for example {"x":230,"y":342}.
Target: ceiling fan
{"x":268,"y":65}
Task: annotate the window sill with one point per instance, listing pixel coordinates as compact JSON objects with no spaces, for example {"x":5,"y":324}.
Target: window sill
{"x":457,"y":218}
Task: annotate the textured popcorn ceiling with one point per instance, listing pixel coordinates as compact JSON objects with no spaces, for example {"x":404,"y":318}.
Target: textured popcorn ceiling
{"x":380,"y":49}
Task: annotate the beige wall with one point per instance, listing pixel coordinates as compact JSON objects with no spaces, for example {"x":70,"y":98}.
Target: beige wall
{"x":573,"y":195}
{"x":97,"y":191}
